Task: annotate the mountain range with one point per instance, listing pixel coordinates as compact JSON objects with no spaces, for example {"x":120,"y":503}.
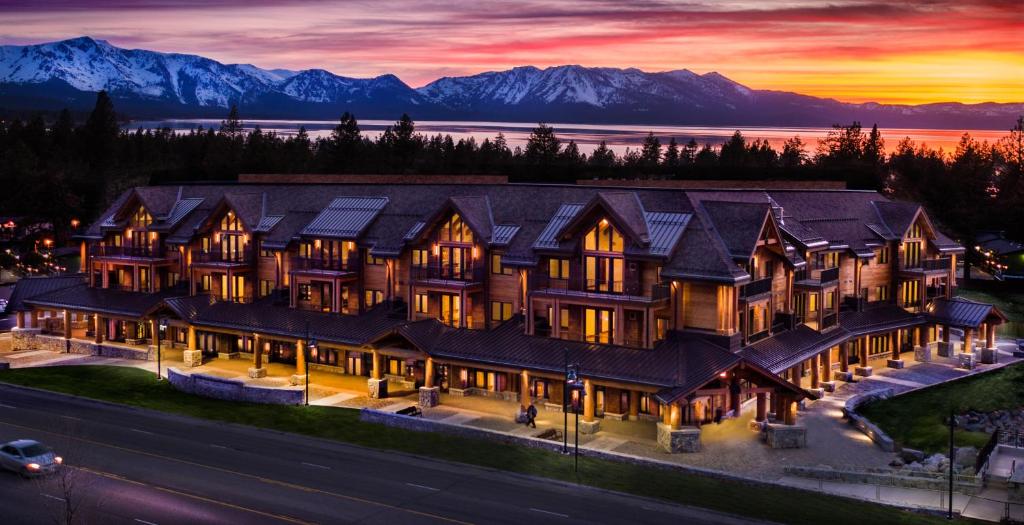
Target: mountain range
{"x":149,"y":84}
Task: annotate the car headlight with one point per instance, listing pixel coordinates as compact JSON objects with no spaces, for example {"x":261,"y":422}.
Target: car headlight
{"x":32,"y":467}
{"x":58,"y":460}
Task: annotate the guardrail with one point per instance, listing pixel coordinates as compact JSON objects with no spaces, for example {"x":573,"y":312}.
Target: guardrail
{"x":473,"y":274}
{"x":758,"y":287}
{"x":350,"y":264}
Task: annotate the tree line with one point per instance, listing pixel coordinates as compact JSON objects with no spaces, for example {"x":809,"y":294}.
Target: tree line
{"x":60,"y":170}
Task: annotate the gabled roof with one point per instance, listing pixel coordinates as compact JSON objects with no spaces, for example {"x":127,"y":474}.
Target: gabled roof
{"x":625,"y":210}
{"x":963,"y":313}
{"x":31,"y":287}
{"x":898,"y":216}
{"x":737,"y":224}
{"x":548,"y":238}
{"x":180,"y":210}
{"x":104,"y":300}
{"x":345,"y":217}
{"x":249,"y":207}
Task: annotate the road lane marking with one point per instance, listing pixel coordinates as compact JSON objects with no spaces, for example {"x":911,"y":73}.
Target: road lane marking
{"x":269,"y":481}
{"x":314,"y":465}
{"x":140,"y":431}
{"x":192,"y":496}
{"x":144,"y":522}
{"x":542,"y":511}
{"x":214,"y":445}
{"x":45,"y":495}
{"x":7,"y":406}
{"x":72,"y":417}
{"x":422,"y":486}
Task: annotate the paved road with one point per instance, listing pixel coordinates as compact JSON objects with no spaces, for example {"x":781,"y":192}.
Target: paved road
{"x":136,"y":466}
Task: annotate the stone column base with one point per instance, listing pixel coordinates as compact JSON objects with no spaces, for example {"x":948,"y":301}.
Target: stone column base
{"x":685,"y":439}
{"x":894,"y":363}
{"x":297,"y":379}
{"x":818,"y":393}
{"x":458,"y":392}
{"x":989,"y":356}
{"x":227,"y":355}
{"x":946,"y":349}
{"x":378,"y":388}
{"x":756,"y":425}
{"x":552,"y":407}
{"x":256,"y":373}
{"x":828,"y":386}
{"x":615,"y":416}
{"x":923,"y":354}
{"x":786,"y":436}
{"x":192,"y":357}
{"x":863,"y":371}
{"x":590,"y":427}
{"x":430,"y":397}
{"x":839,"y":375}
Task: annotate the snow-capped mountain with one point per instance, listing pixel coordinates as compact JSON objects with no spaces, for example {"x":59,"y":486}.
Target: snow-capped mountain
{"x":170,"y":79}
{"x":152,"y":84}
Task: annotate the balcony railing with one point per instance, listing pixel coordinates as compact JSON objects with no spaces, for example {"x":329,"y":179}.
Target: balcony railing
{"x":241,"y":256}
{"x":930,"y":265}
{"x":829,"y":320}
{"x":351,"y":264}
{"x":656,"y":292}
{"x":935,"y":291}
{"x":827,"y":276}
{"x":128,"y":251}
{"x":755,"y":288}
{"x":448,"y":273}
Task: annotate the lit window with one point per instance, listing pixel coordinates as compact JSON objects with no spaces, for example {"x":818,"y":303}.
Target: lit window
{"x":422,"y":303}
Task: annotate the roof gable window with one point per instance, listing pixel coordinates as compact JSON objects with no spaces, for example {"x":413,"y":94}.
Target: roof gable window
{"x":230,"y":222}
{"x":141,"y":218}
{"x":603,"y":237}
{"x":455,"y":230}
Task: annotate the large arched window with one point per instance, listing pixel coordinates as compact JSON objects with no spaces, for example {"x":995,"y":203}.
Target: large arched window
{"x":603,"y":264}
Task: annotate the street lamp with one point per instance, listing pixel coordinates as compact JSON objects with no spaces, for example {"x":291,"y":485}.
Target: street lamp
{"x":161,"y":327}
{"x":307,"y":351}
{"x":952,"y":453}
{"x":574,"y":381}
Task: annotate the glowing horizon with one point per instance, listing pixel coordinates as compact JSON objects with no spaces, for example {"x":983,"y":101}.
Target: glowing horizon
{"x":852,"y":50}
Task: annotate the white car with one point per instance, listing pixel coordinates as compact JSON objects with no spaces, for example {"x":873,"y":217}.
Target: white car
{"x":29,"y":458}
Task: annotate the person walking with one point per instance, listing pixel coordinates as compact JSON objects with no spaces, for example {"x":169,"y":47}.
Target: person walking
{"x":531,"y":416}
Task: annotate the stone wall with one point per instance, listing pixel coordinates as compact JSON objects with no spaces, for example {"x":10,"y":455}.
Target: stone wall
{"x":23,"y":338}
{"x":232,"y":389}
{"x":786,"y":436}
{"x":891,"y":478}
{"x":865,"y":425}
{"x":33,"y":339}
{"x":127,"y":352}
{"x":483,"y":392}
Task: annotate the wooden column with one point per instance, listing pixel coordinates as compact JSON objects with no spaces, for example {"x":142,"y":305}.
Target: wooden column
{"x":945,"y":333}
{"x":20,"y":317}
{"x":154,"y":330}
{"x":67,"y":324}
{"x":100,"y":333}
{"x":894,"y":340}
{"x":917,"y":336}
{"x":666,"y":414}
{"x":375,"y":372}
{"x":990,"y":336}
{"x":300,"y":357}
{"x":790,"y":418}
{"x":826,"y":365}
{"x":675,"y":419}
{"x":192,"y":338}
{"x":844,"y":356}
{"x":588,"y":401}
{"x":761,"y":407}
{"x":968,"y":340}
{"x":634,"y":405}
{"x":524,"y":389}
{"x":257,"y":352}
{"x":779,"y":400}
{"x":796,"y":372}
{"x":864,"y":351}
{"x":816,"y":371}
{"x":734,"y":399}
{"x":428,"y":373}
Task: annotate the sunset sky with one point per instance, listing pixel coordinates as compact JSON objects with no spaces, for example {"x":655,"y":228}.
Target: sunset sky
{"x":912,"y":52}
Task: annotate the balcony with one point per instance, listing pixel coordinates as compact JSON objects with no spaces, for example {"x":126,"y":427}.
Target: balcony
{"x":829,"y":321}
{"x":457,"y":276}
{"x":827,"y":277}
{"x":240,"y":257}
{"x":131,"y":252}
{"x":632,"y":291}
{"x":934,"y":292}
{"x":350,"y":265}
{"x":753,"y":289}
{"x":927,"y":266}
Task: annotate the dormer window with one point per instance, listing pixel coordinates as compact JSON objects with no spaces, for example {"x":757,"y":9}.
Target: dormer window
{"x":916,"y":232}
{"x":603,"y":237}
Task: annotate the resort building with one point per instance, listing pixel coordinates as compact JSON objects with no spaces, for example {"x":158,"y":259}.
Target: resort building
{"x":673,"y":306}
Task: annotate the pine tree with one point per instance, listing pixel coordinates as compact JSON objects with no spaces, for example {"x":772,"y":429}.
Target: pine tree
{"x":650,"y":151}
{"x":671,"y":160}
{"x":232,"y":126}
{"x":689,"y":153}
{"x":793,"y":154}
{"x":543,"y":146}
{"x":602,"y":157}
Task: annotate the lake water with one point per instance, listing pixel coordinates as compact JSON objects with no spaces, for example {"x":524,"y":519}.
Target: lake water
{"x":588,"y":136}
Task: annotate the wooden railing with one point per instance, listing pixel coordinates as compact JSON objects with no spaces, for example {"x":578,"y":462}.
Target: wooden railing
{"x":351,"y":264}
{"x":758,"y":287}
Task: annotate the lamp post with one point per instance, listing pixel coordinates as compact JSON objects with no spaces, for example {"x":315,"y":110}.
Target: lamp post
{"x":307,"y":351}
{"x":565,"y":405}
{"x":161,"y":326}
{"x":952,"y":452}
{"x":574,"y":382}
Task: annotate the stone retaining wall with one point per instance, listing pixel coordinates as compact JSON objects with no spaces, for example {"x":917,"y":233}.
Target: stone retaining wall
{"x":915,"y":480}
{"x":34,"y":339}
{"x":864,"y":424}
{"x":483,"y":392}
{"x":232,"y":389}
